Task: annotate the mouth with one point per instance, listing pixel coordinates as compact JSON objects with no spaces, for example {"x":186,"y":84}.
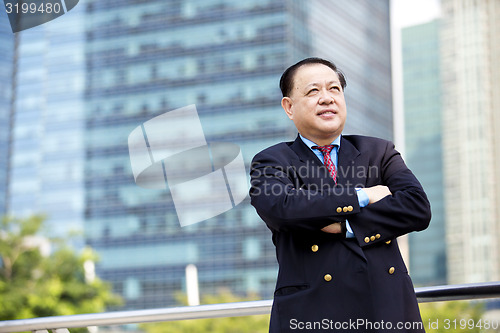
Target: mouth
{"x":326,"y":113}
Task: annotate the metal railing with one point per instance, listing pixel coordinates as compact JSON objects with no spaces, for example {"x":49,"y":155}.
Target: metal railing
{"x":61,"y":323}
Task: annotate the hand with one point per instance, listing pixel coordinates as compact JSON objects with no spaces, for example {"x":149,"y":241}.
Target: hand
{"x":333,"y":228}
{"x":376,"y":193}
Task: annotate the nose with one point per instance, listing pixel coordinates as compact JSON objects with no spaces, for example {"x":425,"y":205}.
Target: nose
{"x":325,"y":97}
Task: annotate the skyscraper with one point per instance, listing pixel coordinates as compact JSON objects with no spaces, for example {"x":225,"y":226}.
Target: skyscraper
{"x":471,"y":138}
{"x":6,"y":74}
{"x":423,"y":128}
{"x":137,"y":60}
{"x":223,"y":56}
{"x":46,"y":158}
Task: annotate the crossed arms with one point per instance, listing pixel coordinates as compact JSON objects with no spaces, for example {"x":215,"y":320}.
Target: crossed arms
{"x":397,"y":202}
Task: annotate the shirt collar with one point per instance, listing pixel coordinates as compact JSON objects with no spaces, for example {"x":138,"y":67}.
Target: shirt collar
{"x":310,"y":144}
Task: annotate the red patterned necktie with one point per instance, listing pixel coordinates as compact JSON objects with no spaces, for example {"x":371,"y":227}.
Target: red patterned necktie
{"x":328,"y":160}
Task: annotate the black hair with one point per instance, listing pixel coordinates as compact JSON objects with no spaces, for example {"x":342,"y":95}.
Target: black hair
{"x":286,"y":81}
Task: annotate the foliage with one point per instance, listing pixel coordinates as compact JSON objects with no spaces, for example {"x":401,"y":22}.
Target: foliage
{"x":453,"y":316}
{"x":33,"y":284}
{"x":246,"y":324}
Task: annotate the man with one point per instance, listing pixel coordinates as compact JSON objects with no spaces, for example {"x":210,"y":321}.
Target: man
{"x":335,"y":205}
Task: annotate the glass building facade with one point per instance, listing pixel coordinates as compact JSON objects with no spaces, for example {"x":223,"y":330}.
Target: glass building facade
{"x":47,"y":153}
{"x":7,"y":44}
{"x":144,"y":60}
{"x":130,"y":61}
{"x":424,"y":150}
{"x":471,"y":138}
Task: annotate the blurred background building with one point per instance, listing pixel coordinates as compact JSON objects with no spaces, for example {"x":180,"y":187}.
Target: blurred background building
{"x":424,"y":152}
{"x":47,"y":141}
{"x":452,"y":110}
{"x":471,"y":138}
{"x":6,"y":81}
{"x":87,"y":79}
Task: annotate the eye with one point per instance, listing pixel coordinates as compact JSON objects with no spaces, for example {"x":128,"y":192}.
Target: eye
{"x":337,"y":88}
{"x":312,"y":91}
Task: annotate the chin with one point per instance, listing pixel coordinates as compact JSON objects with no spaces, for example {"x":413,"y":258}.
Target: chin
{"x":331,"y":129}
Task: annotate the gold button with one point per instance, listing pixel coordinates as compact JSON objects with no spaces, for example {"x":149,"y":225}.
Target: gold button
{"x":367,"y":239}
{"x":350,"y":208}
{"x":391,"y":270}
{"x":314,"y":248}
{"x":339,"y":209}
{"x":345,"y":209}
{"x":377,"y":236}
{"x":372,"y":238}
{"x":328,"y":278}
{"x":388,"y":242}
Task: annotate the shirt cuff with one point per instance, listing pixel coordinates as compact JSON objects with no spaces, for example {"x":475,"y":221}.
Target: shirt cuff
{"x":362,"y":197}
{"x":349,"y":233}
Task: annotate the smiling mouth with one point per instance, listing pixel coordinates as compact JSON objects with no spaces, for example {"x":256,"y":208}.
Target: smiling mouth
{"x":326,"y":112}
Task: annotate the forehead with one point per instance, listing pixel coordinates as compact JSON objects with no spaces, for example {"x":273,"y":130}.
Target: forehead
{"x":314,"y":73}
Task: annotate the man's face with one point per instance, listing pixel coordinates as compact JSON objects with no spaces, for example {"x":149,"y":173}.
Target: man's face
{"x":316,"y":104}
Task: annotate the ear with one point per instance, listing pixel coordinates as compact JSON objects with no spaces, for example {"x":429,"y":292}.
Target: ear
{"x":286,"y":104}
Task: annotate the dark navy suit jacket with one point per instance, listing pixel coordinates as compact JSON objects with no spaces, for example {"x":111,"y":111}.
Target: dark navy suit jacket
{"x":326,"y":282}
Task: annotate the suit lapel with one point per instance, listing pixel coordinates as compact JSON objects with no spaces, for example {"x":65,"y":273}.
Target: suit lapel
{"x":346,"y":167}
{"x":303,"y":152}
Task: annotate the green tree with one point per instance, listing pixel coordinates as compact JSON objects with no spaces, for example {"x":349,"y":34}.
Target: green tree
{"x":453,"y":317}
{"x":33,"y":284}
{"x":245,"y":324}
